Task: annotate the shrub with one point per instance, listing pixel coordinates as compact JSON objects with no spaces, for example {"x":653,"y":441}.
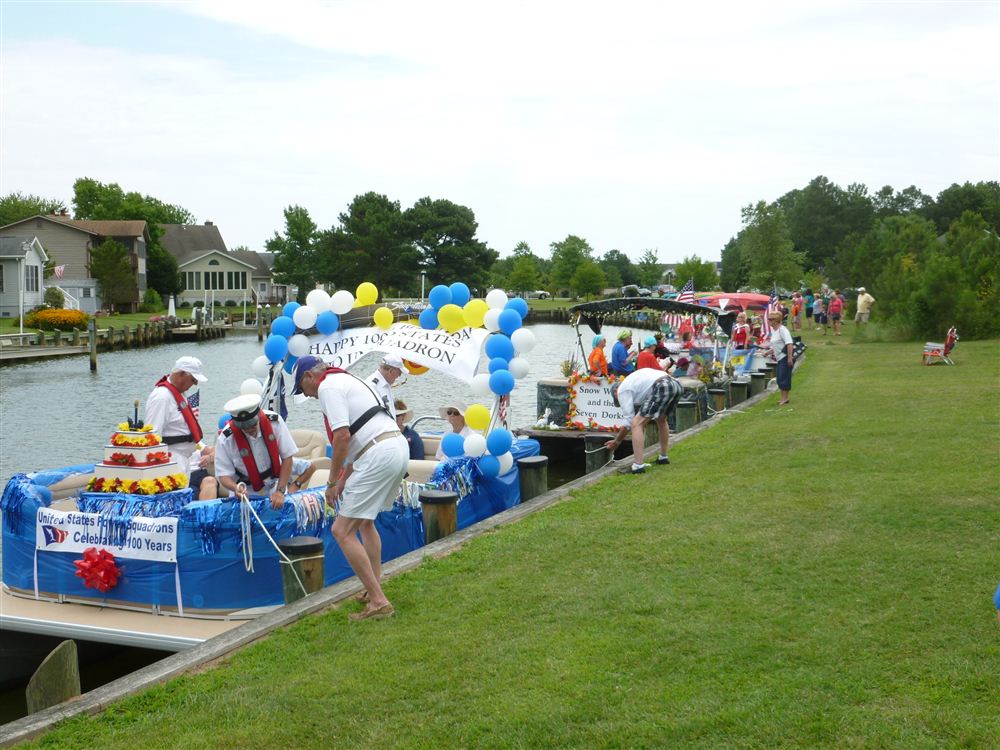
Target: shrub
{"x":185,"y":303}
{"x":199,"y":303}
{"x":54,"y":297}
{"x":151,"y":301}
{"x":230,"y":303}
{"x":56,"y":320}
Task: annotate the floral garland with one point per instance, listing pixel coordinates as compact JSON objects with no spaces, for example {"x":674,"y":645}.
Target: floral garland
{"x":138,"y":486}
{"x":126,"y":427}
{"x":147,"y":440}
{"x":585,"y":377}
{"x":128,"y":459}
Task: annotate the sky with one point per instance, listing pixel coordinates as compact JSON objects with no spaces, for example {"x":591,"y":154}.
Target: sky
{"x":634,"y":125}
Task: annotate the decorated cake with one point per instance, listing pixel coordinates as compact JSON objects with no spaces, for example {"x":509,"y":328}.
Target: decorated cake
{"x":137,"y":462}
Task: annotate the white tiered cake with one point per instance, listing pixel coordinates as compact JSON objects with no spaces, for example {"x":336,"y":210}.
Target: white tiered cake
{"x":137,"y":462}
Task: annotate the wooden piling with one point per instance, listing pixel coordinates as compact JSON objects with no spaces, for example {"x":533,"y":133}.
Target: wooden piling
{"x":126,"y":338}
{"x":687,"y":415}
{"x":533,"y":475}
{"x":92,"y":340}
{"x":596,"y":456}
{"x":260,"y":324}
{"x":56,"y":680}
{"x":306,"y":555}
{"x":440,"y":510}
{"x":739,"y":390}
{"x":758,"y":382}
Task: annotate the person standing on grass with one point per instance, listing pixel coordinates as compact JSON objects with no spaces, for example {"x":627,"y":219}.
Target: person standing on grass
{"x":645,"y":395}
{"x":865,"y":302}
{"x":836,"y":310}
{"x":819,"y":314}
{"x":782,"y":349}
{"x":368,"y":461}
{"x":809,"y":300}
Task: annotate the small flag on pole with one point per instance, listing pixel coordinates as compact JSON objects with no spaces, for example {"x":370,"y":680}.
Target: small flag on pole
{"x":773,"y":305}
{"x":58,"y":271}
{"x":194,"y":401}
{"x":687,"y":292}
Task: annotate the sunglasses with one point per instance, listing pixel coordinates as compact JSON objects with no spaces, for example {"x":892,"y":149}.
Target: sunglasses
{"x":453,"y":413}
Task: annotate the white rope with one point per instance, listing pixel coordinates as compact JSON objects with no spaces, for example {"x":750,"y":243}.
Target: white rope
{"x":246,"y":531}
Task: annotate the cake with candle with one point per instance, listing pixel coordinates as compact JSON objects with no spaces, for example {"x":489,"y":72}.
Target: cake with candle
{"x":136,"y":462}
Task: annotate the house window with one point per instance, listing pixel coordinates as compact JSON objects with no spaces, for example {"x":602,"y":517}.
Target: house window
{"x":192,"y":280}
{"x":263,"y":286}
{"x":86,"y":292}
{"x":31,"y":278}
{"x":236,"y":279}
{"x":213,"y":280}
{"x":213,"y":262}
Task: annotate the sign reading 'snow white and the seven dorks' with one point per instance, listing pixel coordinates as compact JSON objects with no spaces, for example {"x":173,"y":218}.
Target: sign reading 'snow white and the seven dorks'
{"x":146,"y":538}
{"x":593,"y":402}
{"x":455,"y":353}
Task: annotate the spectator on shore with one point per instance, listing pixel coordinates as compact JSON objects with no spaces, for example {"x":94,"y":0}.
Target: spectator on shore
{"x":782,"y":348}
{"x":413,"y":440}
{"x":797,"y":304}
{"x":835,"y":310}
{"x":819,"y":314}
{"x":865,"y":302}
{"x":623,"y":360}
{"x":661,"y":350}
{"x":597,"y":363}
{"x":809,"y":300}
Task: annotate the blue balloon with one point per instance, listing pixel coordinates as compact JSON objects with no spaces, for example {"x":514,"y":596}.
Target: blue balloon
{"x":498,"y":345}
{"x":439,"y":296}
{"x":283,"y":326}
{"x":453,"y":445}
{"x":518,"y":304}
{"x":223,"y":419}
{"x":290,"y":364}
{"x":429,"y":319}
{"x":489,"y":465}
{"x":289,"y":309}
{"x":275,"y":348}
{"x":499,"y":441}
{"x":501,"y":382}
{"x":499,"y":363}
{"x":509,"y":320}
{"x":327,"y":322}
{"x":460,"y":294}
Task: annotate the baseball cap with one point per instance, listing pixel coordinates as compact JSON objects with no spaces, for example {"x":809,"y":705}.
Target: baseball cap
{"x":192,"y":366}
{"x":861,"y":288}
{"x":393,"y":360}
{"x":304,"y":365}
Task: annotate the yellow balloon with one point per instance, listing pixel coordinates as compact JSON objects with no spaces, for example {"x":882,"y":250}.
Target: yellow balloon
{"x":474,"y":311}
{"x":383,"y":317}
{"x":366,"y":294}
{"x":477,"y":417}
{"x":451,"y":318}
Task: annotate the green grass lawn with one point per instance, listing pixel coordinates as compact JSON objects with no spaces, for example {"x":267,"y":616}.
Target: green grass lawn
{"x":813,"y":576}
{"x":120,"y":320}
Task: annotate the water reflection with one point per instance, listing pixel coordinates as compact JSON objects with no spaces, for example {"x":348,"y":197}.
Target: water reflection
{"x":58,"y":413}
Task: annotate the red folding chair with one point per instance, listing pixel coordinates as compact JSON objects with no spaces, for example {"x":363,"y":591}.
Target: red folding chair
{"x":940,"y":353}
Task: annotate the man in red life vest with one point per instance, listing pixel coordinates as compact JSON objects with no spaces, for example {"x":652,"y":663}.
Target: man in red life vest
{"x":255,"y":448}
{"x":369,"y":459}
{"x":172,"y":418}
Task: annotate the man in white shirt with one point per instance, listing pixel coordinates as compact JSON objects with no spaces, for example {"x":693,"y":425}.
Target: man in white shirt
{"x":384,"y":378}
{"x":865,"y":302}
{"x":645,"y":395}
{"x":256,"y":449}
{"x":174,"y":420}
{"x":368,"y":462}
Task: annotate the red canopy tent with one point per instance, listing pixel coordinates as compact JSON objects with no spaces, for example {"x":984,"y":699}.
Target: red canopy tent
{"x":735,"y":300}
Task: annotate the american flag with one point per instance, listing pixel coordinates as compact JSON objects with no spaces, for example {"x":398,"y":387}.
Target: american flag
{"x":58,"y":271}
{"x":687,"y":292}
{"x":194,"y":401}
{"x":772,"y":305}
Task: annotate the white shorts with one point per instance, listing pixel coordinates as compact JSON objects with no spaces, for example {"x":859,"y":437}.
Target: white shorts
{"x":374,"y":482}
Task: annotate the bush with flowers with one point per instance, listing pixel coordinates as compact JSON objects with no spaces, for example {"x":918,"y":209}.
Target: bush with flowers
{"x":56,"y":319}
{"x":572,"y":423}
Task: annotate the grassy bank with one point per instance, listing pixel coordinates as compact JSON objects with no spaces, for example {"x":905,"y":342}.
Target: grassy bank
{"x":819,"y":575}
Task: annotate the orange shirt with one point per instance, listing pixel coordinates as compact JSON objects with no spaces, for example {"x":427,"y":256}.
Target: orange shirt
{"x":647,"y":359}
{"x":597,"y":361}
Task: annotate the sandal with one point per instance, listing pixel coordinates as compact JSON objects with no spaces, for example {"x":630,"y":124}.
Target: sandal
{"x":377,"y":613}
{"x":361,"y":597}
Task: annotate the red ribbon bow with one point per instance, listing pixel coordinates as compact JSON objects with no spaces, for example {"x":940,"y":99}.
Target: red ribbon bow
{"x":98,"y":569}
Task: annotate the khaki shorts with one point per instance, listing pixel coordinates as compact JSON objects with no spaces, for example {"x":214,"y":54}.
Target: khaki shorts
{"x":861,"y":317}
{"x":374,"y":481}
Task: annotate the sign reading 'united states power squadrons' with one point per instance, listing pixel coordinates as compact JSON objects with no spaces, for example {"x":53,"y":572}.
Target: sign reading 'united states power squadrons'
{"x":145,"y":538}
{"x":454,"y":353}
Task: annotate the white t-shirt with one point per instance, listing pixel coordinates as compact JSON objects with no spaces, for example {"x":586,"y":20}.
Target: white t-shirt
{"x":636,"y":387}
{"x":383,"y":390}
{"x":343,"y":399}
{"x":229,"y":463}
{"x":780,"y":339}
{"x":163,"y":413}
{"x":439,"y":454}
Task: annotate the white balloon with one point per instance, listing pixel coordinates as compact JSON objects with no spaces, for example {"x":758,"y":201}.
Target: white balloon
{"x":496,"y":299}
{"x":491,"y":320}
{"x":318,"y":300}
{"x":261,"y":366}
{"x":305,"y":318}
{"x":506,"y":462}
{"x":475,"y":445}
{"x":298,"y":345}
{"x":251,"y":386}
{"x":342,"y":302}
{"x":481,"y":385}
{"x":523,"y":340}
{"x":518,"y":367}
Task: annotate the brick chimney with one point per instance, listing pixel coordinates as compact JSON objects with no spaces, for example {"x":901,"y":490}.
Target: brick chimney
{"x":209,"y":224}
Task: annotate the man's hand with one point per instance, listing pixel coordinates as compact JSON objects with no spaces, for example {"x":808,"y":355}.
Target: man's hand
{"x":277,"y":499}
{"x":612,"y":445}
{"x":207,"y":456}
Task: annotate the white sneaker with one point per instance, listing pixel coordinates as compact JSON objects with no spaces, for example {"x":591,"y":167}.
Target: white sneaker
{"x":639,"y":468}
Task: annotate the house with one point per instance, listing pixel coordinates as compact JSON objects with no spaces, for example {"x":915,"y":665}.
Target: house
{"x":68,"y":243}
{"x":209,"y":271}
{"x":22,"y":268}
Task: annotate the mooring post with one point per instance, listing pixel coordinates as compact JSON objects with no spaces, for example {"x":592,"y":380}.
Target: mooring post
{"x":260,"y":324}
{"x":533,"y":475}
{"x":306,"y":555}
{"x":718,"y":397}
{"x":597,"y":456}
{"x":440,"y":509}
{"x":56,"y":680}
{"x":687,"y":415}
{"x":739,"y":390}
{"x":92,"y":336}
{"x":758,"y":382}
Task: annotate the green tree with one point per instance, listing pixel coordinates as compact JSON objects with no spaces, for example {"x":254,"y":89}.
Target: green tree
{"x":54,"y":298}
{"x":294,"y":252}
{"x":888,"y":202}
{"x":109,"y":265}
{"x":702,"y":271}
{"x":982,"y":198}
{"x":768,"y":248}
{"x":445,"y":234}
{"x":649,"y":269}
{"x":566,"y":257}
{"x":587,"y":279}
{"x":524,"y":276}
{"x":19,"y":206}
{"x":735,"y":271}
{"x":619,"y":268}
{"x":821,"y":214}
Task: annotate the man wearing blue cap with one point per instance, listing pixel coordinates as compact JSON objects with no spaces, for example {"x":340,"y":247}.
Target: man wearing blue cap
{"x":368,"y":462}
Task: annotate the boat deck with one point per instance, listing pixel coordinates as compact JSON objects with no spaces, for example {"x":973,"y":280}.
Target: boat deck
{"x":112,"y":625}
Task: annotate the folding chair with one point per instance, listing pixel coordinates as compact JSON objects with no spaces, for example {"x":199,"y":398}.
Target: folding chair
{"x":939,"y":353}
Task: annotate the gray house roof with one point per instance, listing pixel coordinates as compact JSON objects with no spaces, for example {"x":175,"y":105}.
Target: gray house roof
{"x":189,"y":241}
{"x":260,"y":265}
{"x":14,"y":247}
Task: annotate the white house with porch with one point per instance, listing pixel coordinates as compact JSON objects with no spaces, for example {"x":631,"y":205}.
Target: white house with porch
{"x":22,"y":273}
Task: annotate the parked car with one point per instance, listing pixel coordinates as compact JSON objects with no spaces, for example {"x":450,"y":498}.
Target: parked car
{"x":537,"y":294}
{"x":644,"y":292}
{"x":665,"y":289}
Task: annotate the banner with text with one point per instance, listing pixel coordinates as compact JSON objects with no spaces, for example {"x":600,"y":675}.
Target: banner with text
{"x":146,"y":539}
{"x":594,"y":407}
{"x":456,"y":354}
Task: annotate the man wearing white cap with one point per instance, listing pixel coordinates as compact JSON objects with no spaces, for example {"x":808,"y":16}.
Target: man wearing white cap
{"x":255,"y":448}
{"x":382,"y":380}
{"x":174,"y":420}
{"x":865,"y":302}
